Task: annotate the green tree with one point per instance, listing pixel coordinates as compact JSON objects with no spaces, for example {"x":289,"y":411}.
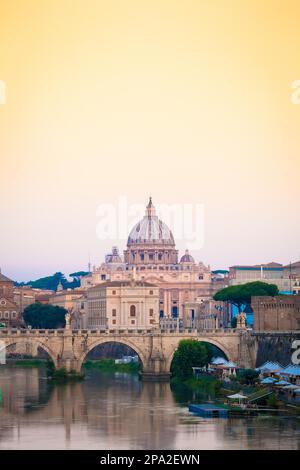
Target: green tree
{"x":51,"y":282}
{"x":247,"y":376}
{"x":241,"y":294}
{"x":190,"y":353}
{"x":44,"y":316}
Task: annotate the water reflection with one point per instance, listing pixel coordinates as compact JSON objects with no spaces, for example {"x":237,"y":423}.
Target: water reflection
{"x":118,"y":411}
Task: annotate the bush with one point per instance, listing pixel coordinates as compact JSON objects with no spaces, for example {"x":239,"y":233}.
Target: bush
{"x":247,"y":376}
{"x":273,"y":401}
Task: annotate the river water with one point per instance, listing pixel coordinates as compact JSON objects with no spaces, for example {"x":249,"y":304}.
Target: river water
{"x":117,"y":411}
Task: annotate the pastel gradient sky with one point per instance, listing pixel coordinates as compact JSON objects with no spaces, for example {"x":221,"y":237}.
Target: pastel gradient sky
{"x":187,"y":101}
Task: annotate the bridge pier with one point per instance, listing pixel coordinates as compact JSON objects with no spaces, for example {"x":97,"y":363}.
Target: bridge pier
{"x":155,"y":377}
{"x":68,"y":361}
{"x":156,"y":370}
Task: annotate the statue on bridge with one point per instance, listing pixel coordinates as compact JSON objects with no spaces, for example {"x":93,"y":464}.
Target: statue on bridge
{"x":241,"y":321}
{"x":68,"y":319}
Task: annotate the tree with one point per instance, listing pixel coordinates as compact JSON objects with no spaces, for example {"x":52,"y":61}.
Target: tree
{"x":44,"y":316}
{"x":190,"y":353}
{"x":79,"y":274}
{"x":241,"y":294}
{"x":247,"y":376}
{"x":51,"y":282}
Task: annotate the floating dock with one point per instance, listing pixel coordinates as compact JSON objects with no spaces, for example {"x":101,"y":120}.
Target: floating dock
{"x":209,"y":410}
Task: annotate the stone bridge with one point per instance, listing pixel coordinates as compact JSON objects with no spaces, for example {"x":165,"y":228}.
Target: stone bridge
{"x":69,"y":348}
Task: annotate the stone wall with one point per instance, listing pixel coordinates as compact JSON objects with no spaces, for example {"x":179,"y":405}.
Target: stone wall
{"x":280,"y":313}
{"x":272,"y":347}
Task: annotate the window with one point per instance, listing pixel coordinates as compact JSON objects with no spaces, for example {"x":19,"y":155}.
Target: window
{"x":151,"y":312}
{"x":151,"y":322}
{"x":151,"y":292}
{"x":132,"y":310}
{"x":103,"y":277}
{"x":6,"y":314}
{"x":133,"y":322}
{"x":14,"y":314}
{"x":113,"y":292}
{"x":114,"y":312}
{"x":114,"y":322}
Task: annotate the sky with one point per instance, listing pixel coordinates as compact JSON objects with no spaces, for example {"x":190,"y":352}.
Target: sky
{"x":188,"y":102}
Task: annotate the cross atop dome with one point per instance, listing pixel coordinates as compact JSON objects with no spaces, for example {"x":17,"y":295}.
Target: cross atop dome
{"x":150,"y":209}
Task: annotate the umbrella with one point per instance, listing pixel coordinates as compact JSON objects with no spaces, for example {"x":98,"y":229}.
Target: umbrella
{"x":282,"y":382}
{"x":237,"y":396}
{"x":268,"y":380}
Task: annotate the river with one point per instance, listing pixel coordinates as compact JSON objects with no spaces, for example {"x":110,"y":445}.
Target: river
{"x":117,"y":411}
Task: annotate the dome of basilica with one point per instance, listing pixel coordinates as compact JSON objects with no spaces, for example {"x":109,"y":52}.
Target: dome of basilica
{"x":150,"y":230}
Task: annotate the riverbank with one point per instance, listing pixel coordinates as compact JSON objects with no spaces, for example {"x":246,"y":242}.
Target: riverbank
{"x":27,"y":362}
{"x":108,"y":365}
{"x":214,"y":390}
{"x":104,"y":365}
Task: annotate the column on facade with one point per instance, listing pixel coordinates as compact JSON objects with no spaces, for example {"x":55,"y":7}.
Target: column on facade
{"x":169,"y":303}
{"x":122,"y":315}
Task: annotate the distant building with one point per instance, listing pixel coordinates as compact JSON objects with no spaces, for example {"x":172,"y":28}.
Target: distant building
{"x":10,"y":313}
{"x":43,"y":297}
{"x":23,"y":297}
{"x":292,"y":269}
{"x":271,"y":273}
{"x":280,"y":313}
{"x":296,"y":286}
{"x":201,"y":314}
{"x":123,"y":305}
{"x":66,"y":298}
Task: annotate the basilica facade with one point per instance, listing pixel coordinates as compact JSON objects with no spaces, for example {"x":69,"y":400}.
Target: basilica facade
{"x":151,"y":257}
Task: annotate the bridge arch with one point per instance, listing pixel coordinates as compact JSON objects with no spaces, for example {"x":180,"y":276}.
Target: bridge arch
{"x":200,"y":340}
{"x":33,"y":341}
{"x":122,"y":341}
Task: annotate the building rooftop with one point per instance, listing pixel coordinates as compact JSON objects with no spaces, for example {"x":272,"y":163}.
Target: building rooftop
{"x":268,"y":266}
{"x":129,"y":283}
{"x":68,"y":291}
{"x":4,"y":278}
{"x":292,"y":265}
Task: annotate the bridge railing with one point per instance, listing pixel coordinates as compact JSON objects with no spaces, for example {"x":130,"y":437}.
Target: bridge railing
{"x":120,"y":331}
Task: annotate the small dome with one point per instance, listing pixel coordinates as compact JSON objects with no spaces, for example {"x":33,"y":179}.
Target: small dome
{"x":150,"y":230}
{"x":187,"y":258}
{"x":114,"y":256}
